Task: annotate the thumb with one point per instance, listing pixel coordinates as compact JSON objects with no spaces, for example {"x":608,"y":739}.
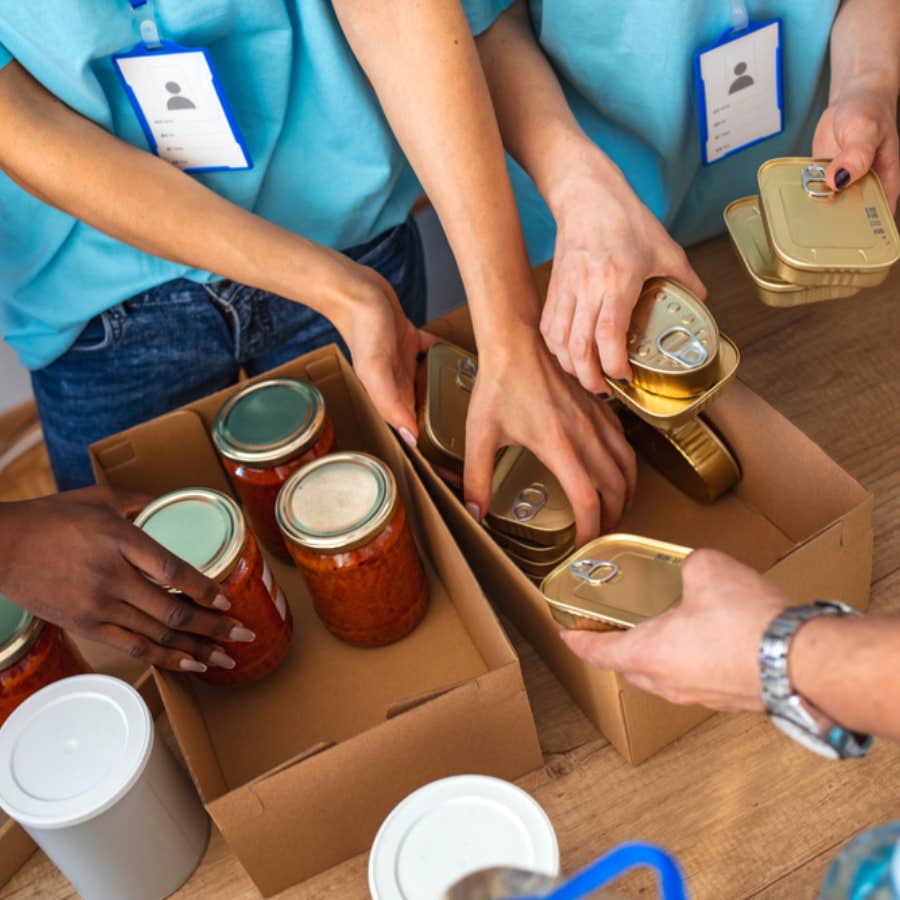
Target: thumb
{"x":681,"y":270}
{"x":426,"y":340}
{"x":855,"y":155}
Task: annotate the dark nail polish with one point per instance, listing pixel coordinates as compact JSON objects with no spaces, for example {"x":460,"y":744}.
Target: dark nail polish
{"x":622,"y":380}
{"x":842,"y":179}
{"x":603,"y":395}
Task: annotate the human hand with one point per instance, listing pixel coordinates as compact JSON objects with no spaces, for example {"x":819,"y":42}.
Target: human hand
{"x":607,"y":245}
{"x":703,"y":651}
{"x":521,"y":398}
{"x":75,"y":560}
{"x":858,"y":132}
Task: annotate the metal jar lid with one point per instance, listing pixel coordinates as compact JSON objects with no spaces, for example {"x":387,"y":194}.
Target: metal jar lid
{"x":528,"y":502}
{"x":673,"y":341}
{"x":616,"y":581}
{"x":18,"y":632}
{"x":203,"y":527}
{"x":337,"y":502}
{"x":821,"y":237}
{"x":269,"y":422}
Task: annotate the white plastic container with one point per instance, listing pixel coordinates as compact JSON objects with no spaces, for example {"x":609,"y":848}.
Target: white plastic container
{"x":453,"y":827}
{"x":83,"y":770}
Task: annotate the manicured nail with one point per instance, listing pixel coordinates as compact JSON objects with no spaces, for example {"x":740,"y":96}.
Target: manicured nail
{"x":241,"y":635}
{"x":842,"y":179}
{"x":222,"y":602}
{"x":474,"y":511}
{"x":191,"y":665}
{"x":408,"y":438}
{"x":623,"y":380}
{"x":221,"y":660}
{"x":603,"y":395}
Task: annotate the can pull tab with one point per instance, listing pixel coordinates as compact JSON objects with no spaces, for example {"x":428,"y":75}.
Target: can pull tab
{"x":814,"y":174}
{"x":594,"y":571}
{"x":466,"y":370}
{"x":529,"y":502}
{"x":690,"y":354}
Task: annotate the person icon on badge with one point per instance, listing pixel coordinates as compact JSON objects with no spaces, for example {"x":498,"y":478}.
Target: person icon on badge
{"x":741,"y":82}
{"x":177,"y":101}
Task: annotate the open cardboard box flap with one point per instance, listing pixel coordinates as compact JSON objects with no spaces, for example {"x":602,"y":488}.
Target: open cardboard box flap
{"x":316,"y":755}
{"x":795,"y":515}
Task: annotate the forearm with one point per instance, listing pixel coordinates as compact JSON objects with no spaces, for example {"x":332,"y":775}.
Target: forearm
{"x":865,"y":44}
{"x":149,"y":204}
{"x":850,"y":669}
{"x":422,"y":62}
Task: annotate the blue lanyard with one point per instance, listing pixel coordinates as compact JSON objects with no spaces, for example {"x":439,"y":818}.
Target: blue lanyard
{"x":143,"y":11}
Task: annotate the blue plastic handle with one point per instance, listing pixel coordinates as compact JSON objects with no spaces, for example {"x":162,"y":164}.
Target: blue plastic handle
{"x":619,"y":861}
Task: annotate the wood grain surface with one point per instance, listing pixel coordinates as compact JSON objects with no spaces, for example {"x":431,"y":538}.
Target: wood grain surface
{"x":747,"y":812}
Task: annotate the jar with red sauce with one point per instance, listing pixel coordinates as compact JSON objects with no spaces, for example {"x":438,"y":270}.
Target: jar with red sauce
{"x":346,"y":529}
{"x":33,"y":654}
{"x":207,"y":530}
{"x":265,"y":432}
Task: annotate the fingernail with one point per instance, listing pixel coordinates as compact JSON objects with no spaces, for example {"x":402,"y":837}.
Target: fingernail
{"x":603,"y":395}
{"x":221,"y":660}
{"x":408,"y":438}
{"x":842,"y":179}
{"x":222,"y":602}
{"x":191,"y":665}
{"x":623,"y":381}
{"x":241,"y":635}
{"x":474,"y":511}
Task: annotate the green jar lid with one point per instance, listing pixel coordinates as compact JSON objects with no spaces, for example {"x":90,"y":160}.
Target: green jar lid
{"x":203,"y":527}
{"x":269,"y":422}
{"x":18,"y":631}
{"x":337,"y":502}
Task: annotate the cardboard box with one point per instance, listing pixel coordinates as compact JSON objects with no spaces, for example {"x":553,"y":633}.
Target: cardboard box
{"x":299,"y":770}
{"x":796,"y":515}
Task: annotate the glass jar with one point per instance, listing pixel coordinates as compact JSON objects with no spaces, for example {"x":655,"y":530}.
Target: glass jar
{"x":33,"y":654}
{"x":346,"y":529}
{"x":264,"y":432}
{"x":207,"y":530}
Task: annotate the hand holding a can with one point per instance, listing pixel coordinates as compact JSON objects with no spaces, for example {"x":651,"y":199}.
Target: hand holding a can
{"x":75,"y":560}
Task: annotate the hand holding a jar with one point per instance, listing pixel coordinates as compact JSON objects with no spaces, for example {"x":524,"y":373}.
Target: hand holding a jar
{"x":75,"y":560}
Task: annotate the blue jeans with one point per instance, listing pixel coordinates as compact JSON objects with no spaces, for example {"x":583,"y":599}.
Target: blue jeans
{"x":182,"y":340}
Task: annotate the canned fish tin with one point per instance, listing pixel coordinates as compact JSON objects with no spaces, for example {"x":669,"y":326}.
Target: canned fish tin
{"x":694,"y":457}
{"x":448,"y":382}
{"x":616,"y":581}
{"x":748,"y":237}
{"x":528,"y":502}
{"x":673,"y":341}
{"x":541,"y":554}
{"x":818,"y":236}
{"x":668,"y":413}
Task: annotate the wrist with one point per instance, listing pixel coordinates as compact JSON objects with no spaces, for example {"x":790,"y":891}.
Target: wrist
{"x":882,"y":81}
{"x":583,"y":161}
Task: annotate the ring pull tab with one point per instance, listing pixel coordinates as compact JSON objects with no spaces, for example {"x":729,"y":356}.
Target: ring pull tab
{"x":466,"y":370}
{"x":594,"y":571}
{"x":529,"y":502}
{"x":690,"y":354}
{"x":813,"y":174}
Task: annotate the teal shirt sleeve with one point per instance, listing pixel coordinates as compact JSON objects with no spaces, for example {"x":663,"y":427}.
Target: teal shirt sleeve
{"x":483,"y":13}
{"x":5,"y":56}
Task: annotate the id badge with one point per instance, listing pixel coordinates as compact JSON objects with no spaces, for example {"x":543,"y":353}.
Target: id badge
{"x":739,"y":91}
{"x":182,"y":108}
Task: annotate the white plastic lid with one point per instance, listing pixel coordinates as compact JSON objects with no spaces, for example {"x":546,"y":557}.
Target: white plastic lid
{"x":72,"y":750}
{"x":453,"y":827}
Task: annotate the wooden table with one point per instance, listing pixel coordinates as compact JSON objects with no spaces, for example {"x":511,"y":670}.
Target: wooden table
{"x":747,"y":812}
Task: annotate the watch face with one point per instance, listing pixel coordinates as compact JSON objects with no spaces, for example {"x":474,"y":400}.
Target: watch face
{"x":806,"y":738}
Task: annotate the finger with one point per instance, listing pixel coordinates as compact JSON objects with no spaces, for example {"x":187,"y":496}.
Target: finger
{"x":583,"y":347}
{"x":613,"y":434}
{"x":604,"y":470}
{"x":391,"y":392}
{"x":679,"y":267}
{"x":887,"y":165}
{"x":452,"y":478}
{"x":425,"y":340}
{"x":602,"y":650}
{"x":132,"y":619}
{"x":482,"y":443}
{"x":142,"y":648}
{"x":179,"y":613}
{"x":858,"y":142}
{"x":126,"y":503}
{"x":611,"y":331}
{"x":557,"y":328}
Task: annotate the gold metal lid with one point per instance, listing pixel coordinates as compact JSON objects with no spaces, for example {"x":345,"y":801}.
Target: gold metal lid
{"x":450,"y":377}
{"x":815,"y":232}
{"x":269,"y":422}
{"x":203,"y":527}
{"x":528,"y":502}
{"x":618,"y":580}
{"x":693,"y":457}
{"x":18,"y":632}
{"x":337,"y":502}
{"x":673,"y":341}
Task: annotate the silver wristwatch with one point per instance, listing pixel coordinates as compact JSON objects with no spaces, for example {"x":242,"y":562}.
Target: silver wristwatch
{"x":790,"y":712}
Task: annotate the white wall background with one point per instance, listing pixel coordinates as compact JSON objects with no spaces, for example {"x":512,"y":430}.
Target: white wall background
{"x":444,"y":293}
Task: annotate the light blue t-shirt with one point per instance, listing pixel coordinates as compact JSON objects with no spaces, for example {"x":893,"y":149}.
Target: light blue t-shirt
{"x":627,"y":69}
{"x":326,"y":164}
